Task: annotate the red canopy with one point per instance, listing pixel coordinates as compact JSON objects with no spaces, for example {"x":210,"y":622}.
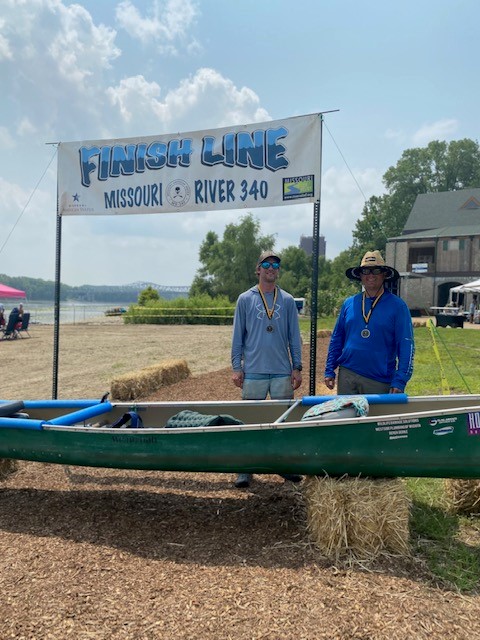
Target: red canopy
{"x":10,"y":292}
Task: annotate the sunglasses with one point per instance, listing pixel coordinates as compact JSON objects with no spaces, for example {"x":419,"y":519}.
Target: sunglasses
{"x":375,"y":271}
{"x":267,"y":265}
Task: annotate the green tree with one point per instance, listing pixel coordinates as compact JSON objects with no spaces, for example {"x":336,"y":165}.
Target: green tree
{"x":296,"y":272}
{"x":375,"y":225}
{"x":333,"y":285}
{"x":228,"y":265}
{"x":204,"y":282}
{"x":148,"y":295}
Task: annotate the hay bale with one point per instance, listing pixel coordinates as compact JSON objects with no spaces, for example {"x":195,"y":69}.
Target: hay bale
{"x":7,"y":467}
{"x":357,"y":517}
{"x":463,"y":495}
{"x":142,"y":383}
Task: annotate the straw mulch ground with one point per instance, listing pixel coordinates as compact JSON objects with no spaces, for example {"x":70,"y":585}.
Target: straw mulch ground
{"x":109,"y":554}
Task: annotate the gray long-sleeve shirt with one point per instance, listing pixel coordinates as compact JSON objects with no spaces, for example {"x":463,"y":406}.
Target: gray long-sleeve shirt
{"x":257,"y":350}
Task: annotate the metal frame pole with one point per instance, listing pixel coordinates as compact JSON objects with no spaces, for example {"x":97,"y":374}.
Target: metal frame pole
{"x":315,"y":257}
{"x":56,"y":323}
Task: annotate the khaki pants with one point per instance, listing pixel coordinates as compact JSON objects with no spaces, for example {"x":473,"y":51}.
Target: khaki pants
{"x":351,"y":383}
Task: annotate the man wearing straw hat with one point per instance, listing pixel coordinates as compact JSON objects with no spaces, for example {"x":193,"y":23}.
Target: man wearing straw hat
{"x":372,"y":342}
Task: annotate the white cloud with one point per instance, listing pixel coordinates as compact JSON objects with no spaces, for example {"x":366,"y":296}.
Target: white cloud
{"x":46,"y":30}
{"x":26,"y":127}
{"x":207,"y":92}
{"x":6,"y":140}
{"x":439,"y":130}
{"x":395,"y":134}
{"x":59,"y":58}
{"x":80,"y":47}
{"x":135,"y":95}
{"x":83,"y":94}
{"x":5,"y":50}
{"x":164,"y":23}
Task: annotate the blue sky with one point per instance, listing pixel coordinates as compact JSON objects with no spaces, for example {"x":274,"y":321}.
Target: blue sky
{"x":401,"y":75}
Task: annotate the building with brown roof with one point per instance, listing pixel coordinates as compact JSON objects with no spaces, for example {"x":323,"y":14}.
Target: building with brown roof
{"x":439,"y":247}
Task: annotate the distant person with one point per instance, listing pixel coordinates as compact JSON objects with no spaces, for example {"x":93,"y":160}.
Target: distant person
{"x":372,"y":343}
{"x":266,"y":343}
{"x":19,"y":311}
{"x":473,"y":307}
{"x":3,"y":320}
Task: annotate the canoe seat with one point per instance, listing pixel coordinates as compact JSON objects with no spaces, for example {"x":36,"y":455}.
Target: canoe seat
{"x":128,"y":420}
{"x":340,"y":407}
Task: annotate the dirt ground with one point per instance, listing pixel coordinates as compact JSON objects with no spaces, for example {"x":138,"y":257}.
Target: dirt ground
{"x":110,"y":554}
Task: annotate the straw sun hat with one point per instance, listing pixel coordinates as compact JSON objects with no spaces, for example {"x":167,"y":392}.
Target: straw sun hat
{"x":372,"y":259}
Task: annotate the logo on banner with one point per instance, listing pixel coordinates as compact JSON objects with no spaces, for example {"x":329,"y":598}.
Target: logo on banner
{"x":299,"y":187}
{"x":71,"y":203}
{"x":178,"y":193}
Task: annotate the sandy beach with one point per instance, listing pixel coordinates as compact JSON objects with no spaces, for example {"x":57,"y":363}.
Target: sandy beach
{"x":92,"y":353}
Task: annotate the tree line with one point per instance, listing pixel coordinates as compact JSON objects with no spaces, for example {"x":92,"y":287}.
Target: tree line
{"x":44,"y":290}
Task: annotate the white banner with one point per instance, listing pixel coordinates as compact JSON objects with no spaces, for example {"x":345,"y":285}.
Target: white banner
{"x":263,"y":164}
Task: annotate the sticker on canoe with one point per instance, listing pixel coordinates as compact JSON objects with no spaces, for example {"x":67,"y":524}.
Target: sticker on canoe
{"x":473,"y":424}
{"x":398,"y":428}
{"x":433,"y":422}
{"x":443,"y":431}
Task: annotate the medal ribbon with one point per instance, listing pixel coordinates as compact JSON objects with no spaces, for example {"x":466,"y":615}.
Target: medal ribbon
{"x":268,"y":311}
{"x":366,"y":316}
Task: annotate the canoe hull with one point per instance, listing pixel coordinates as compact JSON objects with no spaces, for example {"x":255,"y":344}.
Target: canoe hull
{"x":443,"y":442}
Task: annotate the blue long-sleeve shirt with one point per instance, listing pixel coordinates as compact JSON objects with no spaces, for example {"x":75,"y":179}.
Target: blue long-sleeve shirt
{"x":387,"y":354}
{"x":256,"y":350}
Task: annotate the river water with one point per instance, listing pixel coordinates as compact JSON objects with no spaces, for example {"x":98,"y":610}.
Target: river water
{"x":70,"y":312}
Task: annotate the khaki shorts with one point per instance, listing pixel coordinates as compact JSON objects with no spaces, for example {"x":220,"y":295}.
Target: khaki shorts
{"x":278,"y":387}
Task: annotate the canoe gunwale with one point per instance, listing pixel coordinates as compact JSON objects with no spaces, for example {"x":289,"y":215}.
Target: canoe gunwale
{"x":263,"y":426}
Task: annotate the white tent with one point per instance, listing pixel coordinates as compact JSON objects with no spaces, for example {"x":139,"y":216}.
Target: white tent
{"x":469,"y":287}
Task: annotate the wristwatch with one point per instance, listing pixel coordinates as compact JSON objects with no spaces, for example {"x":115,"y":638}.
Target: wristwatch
{"x":298,"y":367}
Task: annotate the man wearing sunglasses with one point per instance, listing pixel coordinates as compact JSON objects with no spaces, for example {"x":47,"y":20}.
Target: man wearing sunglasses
{"x":372,"y":342}
{"x":266,"y":342}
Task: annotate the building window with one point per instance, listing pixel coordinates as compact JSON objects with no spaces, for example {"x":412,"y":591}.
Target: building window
{"x":418,"y":255}
{"x":461,"y":244}
{"x":445,"y":245}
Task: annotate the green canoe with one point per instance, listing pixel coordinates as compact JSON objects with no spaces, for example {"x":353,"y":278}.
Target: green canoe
{"x":434,"y":436}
